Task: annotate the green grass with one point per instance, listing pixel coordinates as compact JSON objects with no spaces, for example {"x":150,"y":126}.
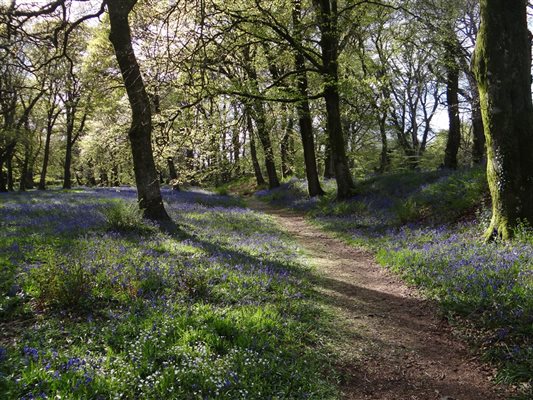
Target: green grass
{"x":104,"y":307}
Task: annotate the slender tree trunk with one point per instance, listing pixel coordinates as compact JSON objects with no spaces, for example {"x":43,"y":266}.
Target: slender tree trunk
{"x":264,"y":138}
{"x":384,"y":161}
{"x":23,"y":180}
{"x":3,"y":182}
{"x":115,"y":175}
{"x":452,"y":97}
{"x":329,"y":44}
{"x":304,"y":111}
{"x":5,"y":159}
{"x":308,"y":143}
{"x":259,"y":115}
{"x":503,"y":71}
{"x":67,"y":176}
{"x":9,"y":166}
{"x":173,"y":174}
{"x":46,"y":157}
{"x":236,"y":145}
{"x":253,"y":152}
{"x":148,"y":189}
{"x":286,"y":168}
{"x":478,"y":135}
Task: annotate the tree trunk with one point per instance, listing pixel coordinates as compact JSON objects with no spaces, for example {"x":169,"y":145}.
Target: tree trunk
{"x":286,"y":159}
{"x":503,"y":71}
{"x":3,"y":183}
{"x":452,"y":97}
{"x":329,"y":171}
{"x":308,"y":142}
{"x":46,"y":157}
{"x":9,"y":166}
{"x":259,"y":115}
{"x":304,"y":111}
{"x":384,"y":161}
{"x":6,"y":155}
{"x":148,"y":190}
{"x":329,"y":42}
{"x":236,"y":145}
{"x":23,"y":179}
{"x":173,"y":175}
{"x":67,"y":177}
{"x":253,"y":152}
{"x":478,"y":133}
{"x":115,"y":175}
{"x":264,"y":138}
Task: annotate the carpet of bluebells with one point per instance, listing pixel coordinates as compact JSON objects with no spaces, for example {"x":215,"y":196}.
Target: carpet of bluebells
{"x":96,"y":303}
{"x":427,"y":227}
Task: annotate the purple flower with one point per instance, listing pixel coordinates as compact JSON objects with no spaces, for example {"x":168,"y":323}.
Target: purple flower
{"x":31,"y":353}
{"x":3,"y":354}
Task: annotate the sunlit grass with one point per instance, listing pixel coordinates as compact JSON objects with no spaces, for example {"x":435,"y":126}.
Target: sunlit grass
{"x":94,"y":305}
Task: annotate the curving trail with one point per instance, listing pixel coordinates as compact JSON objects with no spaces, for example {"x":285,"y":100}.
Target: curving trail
{"x":394,"y":344}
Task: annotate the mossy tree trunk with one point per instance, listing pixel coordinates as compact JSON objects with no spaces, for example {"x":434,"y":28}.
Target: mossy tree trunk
{"x":146,"y":179}
{"x":503,"y":71}
{"x":478,"y":134}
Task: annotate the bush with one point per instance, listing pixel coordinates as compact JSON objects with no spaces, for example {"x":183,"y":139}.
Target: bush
{"x":124,"y":216}
{"x":62,"y":284}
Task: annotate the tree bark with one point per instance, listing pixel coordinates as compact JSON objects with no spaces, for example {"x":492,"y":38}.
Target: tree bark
{"x":264,"y":138}
{"x":173,"y":175}
{"x":384,"y":161}
{"x":236,"y":148}
{"x":285,"y":150}
{"x":503,"y":71}
{"x":9,"y":166}
{"x":452,"y":98}
{"x":259,"y":115}
{"x":67,"y":176}
{"x":46,"y":157}
{"x":6,"y":179}
{"x":3,"y":183}
{"x":148,"y":189}
{"x":329,"y":170}
{"x":478,"y":133}
{"x":329,"y":41}
{"x":253,"y":151}
{"x":304,"y":111}
{"x":23,"y":180}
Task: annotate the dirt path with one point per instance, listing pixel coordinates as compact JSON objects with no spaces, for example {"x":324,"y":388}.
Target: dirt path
{"x":395,"y":345}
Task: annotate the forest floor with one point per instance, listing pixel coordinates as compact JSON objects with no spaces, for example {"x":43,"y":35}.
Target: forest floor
{"x":394,"y":344}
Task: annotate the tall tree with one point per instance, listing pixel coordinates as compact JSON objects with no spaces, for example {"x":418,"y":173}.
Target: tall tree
{"x":329,"y":43}
{"x":140,"y":133}
{"x":452,"y":99}
{"x":503,"y":70}
{"x":257,"y":107}
{"x":304,"y":110}
{"x":52,"y":113}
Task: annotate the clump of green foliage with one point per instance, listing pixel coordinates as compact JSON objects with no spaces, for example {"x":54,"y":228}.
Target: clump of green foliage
{"x":125,"y":216}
